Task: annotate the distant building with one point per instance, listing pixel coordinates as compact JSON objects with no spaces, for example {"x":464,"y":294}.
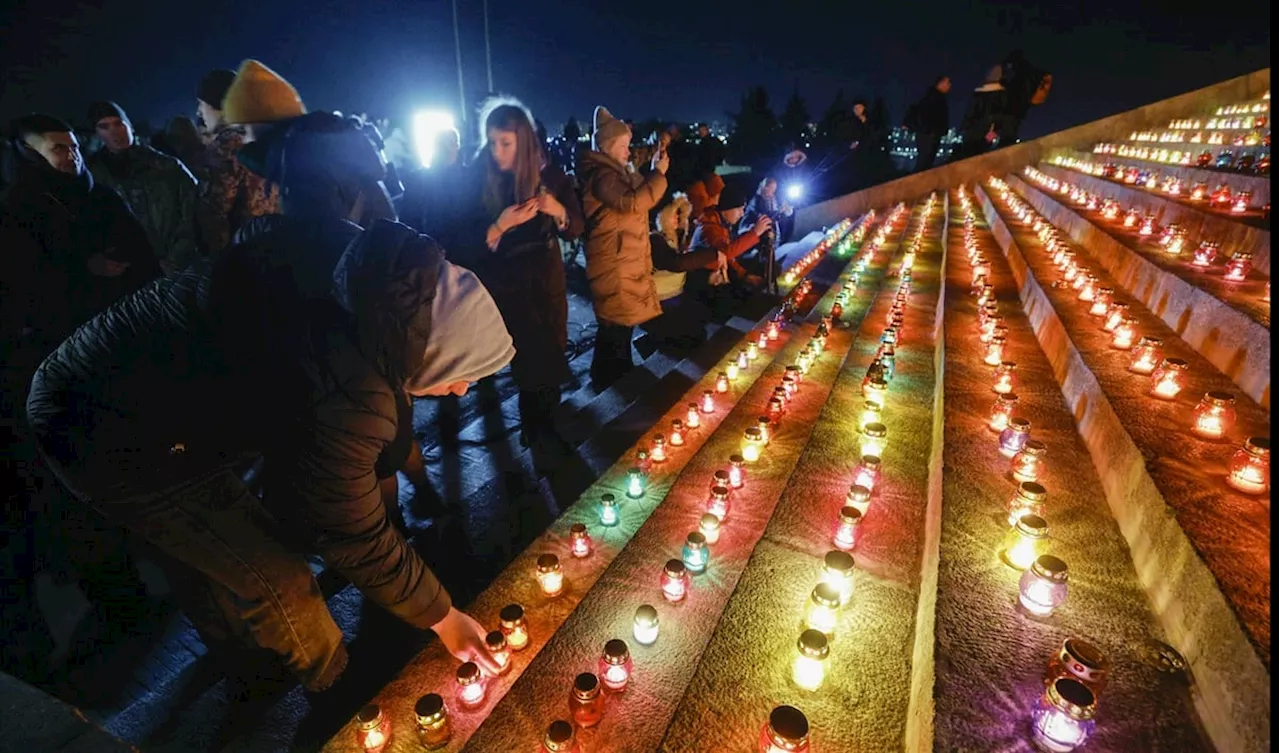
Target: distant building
{"x":902,"y":146}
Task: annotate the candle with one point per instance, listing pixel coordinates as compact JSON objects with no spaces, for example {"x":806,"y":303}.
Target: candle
{"x":1003,"y":378}
{"x":1131,"y":217}
{"x":846,"y":535}
{"x":675,"y":580}
{"x":560,"y":738}
{"x":709,"y":527}
{"x":753,"y":351}
{"x":1022,"y":543}
{"x":809,"y":668}
{"x":1081,"y":661}
{"x":1043,"y":587}
{"x":1122,"y":337}
{"x":789,"y":387}
{"x":742,"y":359}
{"x":874,"y":439}
{"x":513,"y":626}
{"x":732,"y":370}
{"x":708,"y":402}
{"x":373,"y":729}
{"x":1028,"y":499}
{"x":496,"y":642}
{"x":1205,"y":254}
{"x":1241,"y":204}
{"x":615,"y":665}
{"x":643,"y":464}
{"x":752,"y":443}
{"x":762,"y":340}
{"x":471,"y":685}
{"x":867,"y":472}
{"x":1214,"y":416}
{"x":1146,"y":355}
{"x":1088,"y":290}
{"x":838,"y":571}
{"x":1238,"y":267}
{"x":870,"y":413}
{"x":586,"y":704}
{"x":550,"y":577}
{"x":609,"y":509}
{"x":677,"y":433}
{"x":876,"y":389}
{"x":1015,"y":436}
{"x":1101,"y":301}
{"x":787,"y":731}
{"x":1002,"y":411}
{"x":1063,"y":718}
{"x":775,"y":409}
{"x":821,"y":613}
{"x":695,"y":553}
{"x":772,"y":331}
{"x":737,"y":471}
{"x":579,"y":540}
{"x":722,"y":383}
{"x":658,"y":449}
{"x":1250,"y":467}
{"x":691,"y":417}
{"x":859,"y":496}
{"x":434,"y":730}
{"x":1148,"y":226}
{"x":645,"y":628}
{"x":1115,"y":315}
{"x":995,"y":351}
{"x":1169,"y":378}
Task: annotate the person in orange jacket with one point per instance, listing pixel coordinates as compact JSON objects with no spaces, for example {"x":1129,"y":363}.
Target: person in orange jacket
{"x":715,"y":230}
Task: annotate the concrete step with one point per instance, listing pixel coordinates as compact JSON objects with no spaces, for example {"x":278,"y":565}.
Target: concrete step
{"x":990,"y":656}
{"x":1202,"y":549}
{"x":1228,"y":323}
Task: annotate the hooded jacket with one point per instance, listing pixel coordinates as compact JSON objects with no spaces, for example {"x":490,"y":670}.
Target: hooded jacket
{"x":162,"y":194}
{"x":230,"y":194}
{"x":986,"y":112}
{"x":616,"y":203}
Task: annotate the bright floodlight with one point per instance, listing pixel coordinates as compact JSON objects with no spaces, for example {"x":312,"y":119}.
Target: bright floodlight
{"x":795,"y":191}
{"x":427,"y":126}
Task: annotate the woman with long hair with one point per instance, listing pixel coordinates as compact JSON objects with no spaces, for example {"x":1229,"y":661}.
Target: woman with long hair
{"x":507,"y":230}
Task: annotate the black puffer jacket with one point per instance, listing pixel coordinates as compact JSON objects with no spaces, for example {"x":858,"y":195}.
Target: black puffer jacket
{"x":162,"y":194}
{"x":211,"y":360}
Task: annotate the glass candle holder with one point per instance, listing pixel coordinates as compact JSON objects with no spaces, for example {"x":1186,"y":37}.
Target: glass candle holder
{"x":1148,"y":226}
{"x":752,"y":444}
{"x":643,"y":463}
{"x":645,"y":627}
{"x":1169,"y":378}
{"x":434,"y":730}
{"x":615,"y":665}
{"x":794,"y":372}
{"x":722,"y":384}
{"x":609,"y":509}
{"x":709,"y":527}
{"x":1205,"y":254}
{"x":1062,"y":719}
{"x":789,"y":387}
{"x":513,"y":626}
{"x":987,"y":329}
{"x":1214,"y":417}
{"x":1015,"y":436}
{"x":771,"y":331}
{"x":822,"y":611}
{"x":1250,"y":468}
{"x":888,"y":360}
{"x":1124,"y":334}
{"x":692,"y":419}
{"x":1043,"y":587}
{"x":471,"y":685}
{"x":780,"y":395}
{"x":994,"y":353}
{"x":677,"y":432}
{"x":1146,"y":355}
{"x":846,"y":535}
{"x":586,"y":703}
{"x":776,"y":409}
{"x":635,"y":483}
{"x":732,"y":371}
{"x":871,"y":411}
{"x":837,"y":569}
{"x":1004,"y":378}
{"x":889,"y":336}
{"x":762,"y":340}
{"x":550,"y":577}
{"x":753,"y":351}
{"x":560,"y":737}
{"x":743,"y":357}
{"x":1237,"y":269}
{"x":876,"y":390}
{"x":675,"y":581}
{"x":658,"y":449}
{"x":579,"y":540}
{"x":1131,"y":218}
{"x":1081,"y":661}
{"x":809,"y":668}
{"x":496,"y":642}
{"x":1002,"y":411}
{"x":1101,"y":301}
{"x":787,"y":731}
{"x":1028,"y":499}
{"x":737,"y":471}
{"x":709,"y":401}
{"x":1088,"y":291}
{"x":1023,"y":542}
{"x":1118,"y":313}
{"x":695,"y":553}
{"x":859,"y":496}
{"x":373,"y":729}
{"x":1241,"y":203}
{"x":874,"y":439}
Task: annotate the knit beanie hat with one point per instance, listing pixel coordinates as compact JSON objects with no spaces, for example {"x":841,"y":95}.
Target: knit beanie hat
{"x":105,"y":109}
{"x":260,"y":95}
{"x":468,"y":339}
{"x":732,"y":197}
{"x":994,"y":75}
{"x":606,"y":128}
{"x":213,"y":87}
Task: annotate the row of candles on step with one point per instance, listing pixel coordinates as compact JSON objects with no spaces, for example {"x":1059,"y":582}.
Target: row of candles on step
{"x":1063,"y":716}
{"x":839,"y":235}
{"x":1171,"y":238}
{"x":1243,"y":159}
{"x":1249,"y":470}
{"x":1219,"y":198}
{"x":1211,"y":131}
{"x":434,"y":731}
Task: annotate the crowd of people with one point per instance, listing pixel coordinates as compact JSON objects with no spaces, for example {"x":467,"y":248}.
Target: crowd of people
{"x":210,"y":355}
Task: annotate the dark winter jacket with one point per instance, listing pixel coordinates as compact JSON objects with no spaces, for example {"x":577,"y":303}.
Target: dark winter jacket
{"x":208,"y":361}
{"x":929,"y":115}
{"x":987,"y":111}
{"x":708,"y":154}
{"x":432,"y":197}
{"x":714,"y":232}
{"x":162,"y":194}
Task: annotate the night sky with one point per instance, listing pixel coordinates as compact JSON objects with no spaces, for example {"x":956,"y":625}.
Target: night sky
{"x":671,"y":60}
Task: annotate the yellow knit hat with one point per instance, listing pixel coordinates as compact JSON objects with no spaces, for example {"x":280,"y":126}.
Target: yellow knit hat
{"x":260,"y":95}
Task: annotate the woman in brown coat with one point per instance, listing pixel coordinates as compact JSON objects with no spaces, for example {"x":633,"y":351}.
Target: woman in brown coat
{"x":619,"y":266}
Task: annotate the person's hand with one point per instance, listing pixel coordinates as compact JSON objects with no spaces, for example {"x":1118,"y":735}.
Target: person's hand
{"x":661,"y":161}
{"x":517,"y":214}
{"x":763,"y":224}
{"x":101,"y":266}
{"x":464,"y":637}
{"x":549,"y":205}
{"x":722,"y":261}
